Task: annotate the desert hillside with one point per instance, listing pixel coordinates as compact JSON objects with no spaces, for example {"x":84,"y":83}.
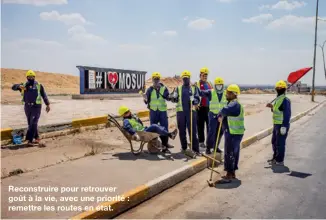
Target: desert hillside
{"x":54,"y":83}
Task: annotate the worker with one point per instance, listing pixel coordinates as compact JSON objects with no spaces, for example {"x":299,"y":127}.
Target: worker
{"x":186,"y":96}
{"x":281,"y":121}
{"x":217,"y":100}
{"x":202,"y":112}
{"x":32,"y":93}
{"x":232,"y":118}
{"x":155,"y":98}
{"x":132,"y":124}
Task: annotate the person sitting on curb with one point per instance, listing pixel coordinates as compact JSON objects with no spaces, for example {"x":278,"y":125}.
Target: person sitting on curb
{"x":132,"y":124}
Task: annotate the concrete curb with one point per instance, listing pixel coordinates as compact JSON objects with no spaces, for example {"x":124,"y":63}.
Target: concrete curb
{"x":66,"y":127}
{"x":144,"y":192}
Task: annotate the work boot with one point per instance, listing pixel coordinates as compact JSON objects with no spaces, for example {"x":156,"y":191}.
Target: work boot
{"x":173,"y":134}
{"x":228,"y":176}
{"x":166,"y":151}
{"x":279,"y":163}
{"x":233,"y":175}
{"x":208,"y":151}
{"x":202,"y":145}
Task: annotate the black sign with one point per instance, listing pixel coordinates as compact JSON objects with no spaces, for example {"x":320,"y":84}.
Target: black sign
{"x":105,"y":80}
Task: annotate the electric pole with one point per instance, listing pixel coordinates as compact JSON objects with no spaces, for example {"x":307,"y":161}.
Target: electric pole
{"x":322,"y":50}
{"x":314,"y":70}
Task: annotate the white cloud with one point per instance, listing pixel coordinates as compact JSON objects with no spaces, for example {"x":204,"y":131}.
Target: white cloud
{"x":170,"y":33}
{"x":79,"y":34}
{"x":225,"y":1}
{"x":292,"y":22}
{"x":186,"y":18}
{"x":154,"y":33}
{"x":258,"y":19}
{"x":68,"y":19}
{"x":284,"y":5}
{"x":201,"y":24}
{"x":36,"y":2}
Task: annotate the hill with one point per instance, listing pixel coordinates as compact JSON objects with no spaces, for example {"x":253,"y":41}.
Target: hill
{"x":54,"y":83}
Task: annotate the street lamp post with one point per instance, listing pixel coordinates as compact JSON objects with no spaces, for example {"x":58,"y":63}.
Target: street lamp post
{"x":322,"y":50}
{"x":314,"y":70}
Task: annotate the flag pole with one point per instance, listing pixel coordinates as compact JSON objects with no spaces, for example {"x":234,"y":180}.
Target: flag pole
{"x":314,"y":71}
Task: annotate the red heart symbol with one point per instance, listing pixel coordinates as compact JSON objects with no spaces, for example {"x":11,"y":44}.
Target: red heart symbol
{"x":113,"y":77}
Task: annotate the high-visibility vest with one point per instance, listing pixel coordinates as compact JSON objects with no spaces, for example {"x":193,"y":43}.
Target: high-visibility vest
{"x":277,"y":114}
{"x":236,"y":124}
{"x":215,"y":105}
{"x":136,"y":125}
{"x":210,"y":84}
{"x":38,"y":98}
{"x":179,"y":104}
{"x":158,"y":103}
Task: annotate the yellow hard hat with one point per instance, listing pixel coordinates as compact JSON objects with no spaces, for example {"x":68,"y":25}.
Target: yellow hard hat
{"x":204,"y":70}
{"x":185,"y":73}
{"x":281,"y":84}
{"x":156,"y":75}
{"x":218,"y":80}
{"x":30,"y":73}
{"x":234,"y":88}
{"x":123,"y":109}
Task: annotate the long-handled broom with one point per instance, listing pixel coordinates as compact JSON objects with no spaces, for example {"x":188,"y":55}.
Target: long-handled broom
{"x":210,"y":181}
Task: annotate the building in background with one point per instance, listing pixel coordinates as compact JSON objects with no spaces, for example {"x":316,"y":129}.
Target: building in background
{"x":299,"y":87}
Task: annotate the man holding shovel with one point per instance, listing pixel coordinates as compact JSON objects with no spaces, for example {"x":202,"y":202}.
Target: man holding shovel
{"x":232,"y":119}
{"x":217,"y":100}
{"x":187,"y":99}
{"x":155,"y":98}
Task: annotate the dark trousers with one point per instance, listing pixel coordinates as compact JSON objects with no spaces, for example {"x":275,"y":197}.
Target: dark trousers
{"x":202,"y":120}
{"x":157,"y":129}
{"x":231,"y":151}
{"x":183,"y":119}
{"x":278,"y":143}
{"x":161,"y":118}
{"x":33,"y":114}
{"x":212,"y":131}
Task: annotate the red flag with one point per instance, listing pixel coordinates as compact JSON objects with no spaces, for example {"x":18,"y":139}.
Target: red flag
{"x":295,"y":76}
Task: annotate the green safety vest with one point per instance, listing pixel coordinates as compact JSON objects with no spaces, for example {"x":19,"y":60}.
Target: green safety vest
{"x":38,"y":98}
{"x":236,"y":124}
{"x":158,"y":103}
{"x":136,"y":125}
{"x":214,"y":105}
{"x":277,"y":114}
{"x":179,"y":104}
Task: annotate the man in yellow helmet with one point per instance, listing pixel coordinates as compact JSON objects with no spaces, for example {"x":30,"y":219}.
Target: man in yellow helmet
{"x":202,"y":112}
{"x":132,"y":124}
{"x":186,"y":96}
{"x":281,"y":120}
{"x":217,"y":100}
{"x":32,"y":93}
{"x":155,"y":98}
{"x":232,"y":118}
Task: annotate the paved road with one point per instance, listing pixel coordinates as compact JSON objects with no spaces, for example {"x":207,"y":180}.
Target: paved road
{"x":296,"y":191}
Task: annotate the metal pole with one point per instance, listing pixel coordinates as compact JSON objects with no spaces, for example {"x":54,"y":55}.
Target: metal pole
{"x":314,"y":71}
{"x":322,"y":50}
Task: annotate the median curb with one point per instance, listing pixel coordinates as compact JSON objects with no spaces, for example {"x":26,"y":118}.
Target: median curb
{"x":152,"y":188}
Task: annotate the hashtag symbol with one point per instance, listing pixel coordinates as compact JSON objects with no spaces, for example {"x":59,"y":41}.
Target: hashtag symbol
{"x":98,"y":80}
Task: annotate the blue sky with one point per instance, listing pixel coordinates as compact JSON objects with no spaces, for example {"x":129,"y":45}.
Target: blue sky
{"x":243,"y":41}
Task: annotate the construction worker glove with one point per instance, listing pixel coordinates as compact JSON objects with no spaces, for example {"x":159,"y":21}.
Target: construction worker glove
{"x":283,"y":130}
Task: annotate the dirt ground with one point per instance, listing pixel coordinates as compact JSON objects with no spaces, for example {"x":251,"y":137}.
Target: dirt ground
{"x":71,"y":147}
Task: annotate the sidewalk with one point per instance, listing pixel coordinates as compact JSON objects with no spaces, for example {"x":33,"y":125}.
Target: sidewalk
{"x":118,"y":169}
